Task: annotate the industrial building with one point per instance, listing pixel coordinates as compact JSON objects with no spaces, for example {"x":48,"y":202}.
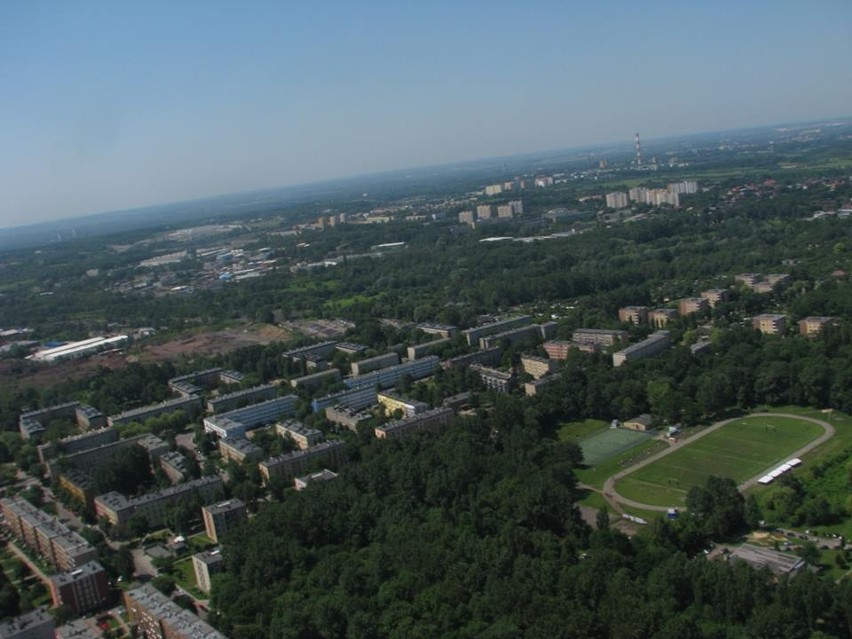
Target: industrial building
{"x":76,"y":350}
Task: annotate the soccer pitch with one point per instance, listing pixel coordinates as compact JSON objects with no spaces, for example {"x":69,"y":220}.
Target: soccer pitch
{"x":739,"y":450}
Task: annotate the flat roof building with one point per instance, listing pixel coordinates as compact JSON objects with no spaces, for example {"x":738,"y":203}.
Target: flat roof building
{"x":716,"y":296}
{"x":496,"y":380}
{"x":558,"y":349}
{"x":300,"y":483}
{"x":779,"y":563}
{"x":355,"y":399}
{"x":46,"y":535}
{"x":691,"y":305}
{"x":521,"y":335}
{"x":532,"y":388}
{"x":291,"y":465}
{"x":302,"y":435}
{"x":433,"y":421}
{"x":190,"y":405}
{"x":37,"y":624}
{"x":538,"y":366}
{"x":444,"y":330}
{"x":158,"y":617}
{"x":660,"y":317}
{"x":812,"y":326}
{"x":347,"y":417}
{"x":239,"y":398}
{"x":392,"y":402}
{"x":222,"y":517}
{"x":601,"y":336}
{"x":651,"y":346}
{"x":374,"y":363}
{"x":634,"y":314}
{"x":769,"y":323}
{"x":387,"y":377}
{"x":427,"y":348}
{"x":239,"y":450}
{"x":235,"y":423}
{"x":472,"y":335}
{"x":488,"y":357}
{"x":205,"y":565}
{"x":315,"y":380}
{"x":83,"y":589}
{"x":322,"y":349}
{"x":117,"y":508}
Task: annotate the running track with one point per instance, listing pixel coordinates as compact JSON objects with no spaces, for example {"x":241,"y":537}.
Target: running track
{"x":611,"y":495}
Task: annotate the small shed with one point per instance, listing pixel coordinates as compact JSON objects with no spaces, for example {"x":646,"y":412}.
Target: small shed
{"x":642,"y":422}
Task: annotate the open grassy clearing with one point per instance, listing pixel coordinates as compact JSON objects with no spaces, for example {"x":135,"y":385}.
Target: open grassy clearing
{"x":578,"y":431}
{"x":740,"y":450}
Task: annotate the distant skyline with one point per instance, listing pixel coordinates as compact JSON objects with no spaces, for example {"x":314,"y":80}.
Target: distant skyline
{"x":111,"y":106}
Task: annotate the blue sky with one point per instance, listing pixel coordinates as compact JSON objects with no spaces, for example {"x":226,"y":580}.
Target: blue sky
{"x":110,"y":105}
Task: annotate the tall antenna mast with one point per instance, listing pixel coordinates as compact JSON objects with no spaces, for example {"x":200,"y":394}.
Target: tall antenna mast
{"x":638,"y":151}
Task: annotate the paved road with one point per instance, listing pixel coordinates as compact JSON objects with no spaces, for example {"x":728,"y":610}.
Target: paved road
{"x":610,"y":493}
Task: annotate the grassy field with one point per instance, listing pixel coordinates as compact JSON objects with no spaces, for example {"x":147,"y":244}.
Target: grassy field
{"x":597,"y":475}
{"x":740,"y":450}
{"x":578,"y":431}
{"x":608,"y":443}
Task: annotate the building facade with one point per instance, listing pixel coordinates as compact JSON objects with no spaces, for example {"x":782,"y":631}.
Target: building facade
{"x":433,"y":421}
{"x":769,"y":323}
{"x":158,"y":617}
{"x":222,"y":517}
{"x":651,"y":346}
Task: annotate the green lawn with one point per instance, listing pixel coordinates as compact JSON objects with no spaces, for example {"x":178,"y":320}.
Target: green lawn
{"x":578,"y":431}
{"x":185,"y":577}
{"x":742,"y":449}
{"x":597,"y":475}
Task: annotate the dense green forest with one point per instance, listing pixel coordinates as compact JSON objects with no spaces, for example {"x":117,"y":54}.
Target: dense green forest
{"x":475,"y":534}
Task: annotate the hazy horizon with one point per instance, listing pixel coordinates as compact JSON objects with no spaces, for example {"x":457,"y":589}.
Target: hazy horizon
{"x":116,"y":107}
